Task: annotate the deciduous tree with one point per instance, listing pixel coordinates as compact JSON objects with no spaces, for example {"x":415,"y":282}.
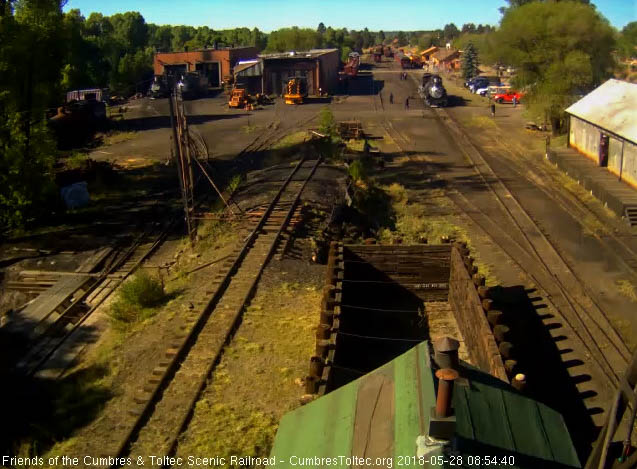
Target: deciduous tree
{"x":560,"y":49}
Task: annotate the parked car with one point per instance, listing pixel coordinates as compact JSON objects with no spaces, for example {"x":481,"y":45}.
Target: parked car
{"x":482,"y":91}
{"x":507,"y":97}
{"x":480,"y":82}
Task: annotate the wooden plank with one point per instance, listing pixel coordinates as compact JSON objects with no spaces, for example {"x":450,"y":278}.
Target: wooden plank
{"x":472,"y":320}
{"x":407,"y":424}
{"x":374,"y":423}
{"x":38,"y":313}
{"x":89,"y":264}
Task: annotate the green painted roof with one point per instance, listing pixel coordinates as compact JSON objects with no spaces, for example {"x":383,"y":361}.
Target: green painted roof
{"x":381,"y":414}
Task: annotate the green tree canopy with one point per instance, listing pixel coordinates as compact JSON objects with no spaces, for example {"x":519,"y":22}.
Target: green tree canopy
{"x":628,"y":40}
{"x":294,"y":38}
{"x":559,"y":49}
{"x":470,"y":62}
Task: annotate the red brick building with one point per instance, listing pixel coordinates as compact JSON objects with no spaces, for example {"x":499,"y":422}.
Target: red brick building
{"x":213,"y":63}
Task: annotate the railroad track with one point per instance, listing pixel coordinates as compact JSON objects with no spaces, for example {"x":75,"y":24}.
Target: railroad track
{"x":551,"y":271}
{"x":120,"y":265}
{"x":161,"y":410}
{"x":528,"y":247}
{"x":623,"y":252}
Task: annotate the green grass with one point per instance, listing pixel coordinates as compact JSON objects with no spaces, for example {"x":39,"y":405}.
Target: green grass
{"x":627,"y":289}
{"x":257,"y":380}
{"x":234,"y":183}
{"x":248,"y":129}
{"x":115,"y":136}
{"x":76,"y":160}
{"x":355,"y":145}
{"x":295,"y":138}
{"x":137,"y":300}
{"x":481,"y":122}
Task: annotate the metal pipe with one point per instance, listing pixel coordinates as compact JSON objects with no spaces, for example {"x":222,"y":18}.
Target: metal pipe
{"x":446,"y":377}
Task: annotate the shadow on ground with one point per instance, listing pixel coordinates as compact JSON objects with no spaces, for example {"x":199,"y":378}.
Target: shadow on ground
{"x":540,"y":358}
{"x":44,"y":411}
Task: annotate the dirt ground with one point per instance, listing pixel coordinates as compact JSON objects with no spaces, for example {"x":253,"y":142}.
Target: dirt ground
{"x":260,"y":375}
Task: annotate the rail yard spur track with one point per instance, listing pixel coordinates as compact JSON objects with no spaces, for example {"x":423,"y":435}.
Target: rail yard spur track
{"x":524,"y":243}
{"x":161,"y":409}
{"x":548,"y":269}
{"x":64,"y":335}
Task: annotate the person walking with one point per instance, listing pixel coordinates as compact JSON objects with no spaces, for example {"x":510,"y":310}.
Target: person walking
{"x":407,"y":103}
{"x":492,"y":109}
{"x":391,"y":98}
{"x":515,"y":101}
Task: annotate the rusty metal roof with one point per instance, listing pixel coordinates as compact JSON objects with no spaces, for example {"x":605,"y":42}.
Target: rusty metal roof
{"x":382,"y":414}
{"x":611,"y":106}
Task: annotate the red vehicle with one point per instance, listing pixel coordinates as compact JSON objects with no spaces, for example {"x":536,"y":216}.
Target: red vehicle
{"x":508,"y":96}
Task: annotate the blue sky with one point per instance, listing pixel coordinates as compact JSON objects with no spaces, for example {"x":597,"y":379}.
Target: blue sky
{"x":268,"y":15}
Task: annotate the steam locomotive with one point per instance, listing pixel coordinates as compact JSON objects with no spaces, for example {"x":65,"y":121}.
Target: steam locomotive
{"x":432,"y":91}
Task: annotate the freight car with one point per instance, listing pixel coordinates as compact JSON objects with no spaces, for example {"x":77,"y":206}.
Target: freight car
{"x":432,"y":91}
{"x":378,"y":53}
{"x":353,"y":62}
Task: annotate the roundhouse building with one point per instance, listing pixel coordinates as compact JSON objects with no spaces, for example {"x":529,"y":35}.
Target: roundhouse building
{"x":603,"y":127}
{"x":214,"y":63}
{"x":271,"y":72}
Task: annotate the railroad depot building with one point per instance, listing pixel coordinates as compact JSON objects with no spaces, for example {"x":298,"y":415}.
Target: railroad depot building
{"x":214,"y":63}
{"x":270,"y":72}
{"x":445,"y":59}
{"x":602,"y":127}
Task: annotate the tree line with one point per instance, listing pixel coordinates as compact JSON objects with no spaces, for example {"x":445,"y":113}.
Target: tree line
{"x":560,"y":49}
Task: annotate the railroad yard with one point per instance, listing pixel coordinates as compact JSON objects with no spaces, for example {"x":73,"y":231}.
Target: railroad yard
{"x":255,"y":320}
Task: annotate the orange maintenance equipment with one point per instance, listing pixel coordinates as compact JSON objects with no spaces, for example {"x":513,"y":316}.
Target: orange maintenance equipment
{"x":295,"y":91}
{"x":238,"y":98}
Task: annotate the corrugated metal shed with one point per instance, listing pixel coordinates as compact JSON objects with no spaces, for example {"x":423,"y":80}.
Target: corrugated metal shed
{"x":381,"y":414}
{"x":252,"y":68}
{"x":611,"y":106}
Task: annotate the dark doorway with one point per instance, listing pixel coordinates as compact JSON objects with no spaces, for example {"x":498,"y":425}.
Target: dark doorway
{"x":603,"y":150}
{"x":211,"y":71}
{"x":175,"y":70}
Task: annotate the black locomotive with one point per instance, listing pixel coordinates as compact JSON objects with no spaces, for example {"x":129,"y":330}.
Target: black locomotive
{"x":432,"y":91}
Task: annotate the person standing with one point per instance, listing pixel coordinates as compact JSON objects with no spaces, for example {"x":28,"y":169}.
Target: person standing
{"x":407,"y":103}
{"x":492,"y":109}
{"x":391,"y":98}
{"x":515,"y":101}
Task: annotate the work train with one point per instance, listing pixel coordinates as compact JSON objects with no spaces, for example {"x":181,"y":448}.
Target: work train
{"x":432,"y":91}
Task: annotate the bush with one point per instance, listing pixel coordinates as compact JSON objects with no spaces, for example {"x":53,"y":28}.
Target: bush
{"x":327,"y":124}
{"x":357,"y":171}
{"x":136,"y":297}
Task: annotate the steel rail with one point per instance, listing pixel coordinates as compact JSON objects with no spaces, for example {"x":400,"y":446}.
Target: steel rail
{"x":148,"y":408}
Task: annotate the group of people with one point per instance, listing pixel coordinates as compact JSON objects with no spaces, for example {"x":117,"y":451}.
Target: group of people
{"x":391,"y":100}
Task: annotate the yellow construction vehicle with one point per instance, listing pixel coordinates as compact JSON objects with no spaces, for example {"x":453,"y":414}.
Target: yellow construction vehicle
{"x":295,"y":90}
{"x":238,"y":98}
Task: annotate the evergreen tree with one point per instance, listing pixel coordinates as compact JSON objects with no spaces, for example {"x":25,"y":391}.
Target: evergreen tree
{"x":470,"y":62}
